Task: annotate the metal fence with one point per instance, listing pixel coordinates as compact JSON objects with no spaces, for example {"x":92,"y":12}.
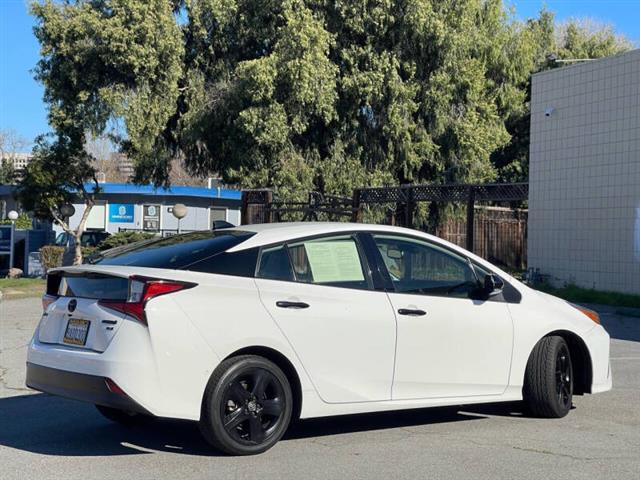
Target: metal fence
{"x":498,"y":234}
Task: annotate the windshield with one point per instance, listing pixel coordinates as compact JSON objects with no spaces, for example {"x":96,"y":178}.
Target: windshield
{"x":175,"y":252}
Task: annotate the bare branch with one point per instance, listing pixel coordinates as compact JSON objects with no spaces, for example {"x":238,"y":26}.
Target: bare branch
{"x":60,"y":221}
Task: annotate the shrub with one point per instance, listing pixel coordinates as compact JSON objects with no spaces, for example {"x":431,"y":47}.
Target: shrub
{"x":124,"y":238}
{"x":51,"y":257}
{"x":22,"y":223}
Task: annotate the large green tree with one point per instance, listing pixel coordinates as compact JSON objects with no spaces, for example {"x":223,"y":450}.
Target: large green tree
{"x":306,"y":94}
{"x":107,"y":66}
{"x":549,"y":45}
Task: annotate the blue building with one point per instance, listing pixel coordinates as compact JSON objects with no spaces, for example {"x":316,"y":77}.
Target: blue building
{"x":123,"y":206}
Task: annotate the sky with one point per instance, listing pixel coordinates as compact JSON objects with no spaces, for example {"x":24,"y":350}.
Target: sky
{"x":23,"y":110}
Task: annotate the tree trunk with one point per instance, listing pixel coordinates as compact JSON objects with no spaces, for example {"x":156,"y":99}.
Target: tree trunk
{"x":73,"y":253}
{"x":77,"y":258}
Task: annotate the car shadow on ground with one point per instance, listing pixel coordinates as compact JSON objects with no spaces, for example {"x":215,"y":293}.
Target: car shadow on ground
{"x":51,"y":425}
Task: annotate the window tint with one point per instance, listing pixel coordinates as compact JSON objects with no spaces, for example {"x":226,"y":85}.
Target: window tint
{"x":174,"y":252}
{"x":332,"y":261}
{"x":419,"y":267}
{"x":275,"y":264}
{"x":93,"y":286}
{"x":239,"y":264}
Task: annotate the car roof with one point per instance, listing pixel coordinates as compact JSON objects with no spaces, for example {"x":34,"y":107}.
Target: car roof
{"x":273,"y":233}
{"x":270,"y":233}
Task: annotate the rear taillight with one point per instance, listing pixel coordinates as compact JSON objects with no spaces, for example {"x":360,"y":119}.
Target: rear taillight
{"x":47,"y":300}
{"x":141,"y":290}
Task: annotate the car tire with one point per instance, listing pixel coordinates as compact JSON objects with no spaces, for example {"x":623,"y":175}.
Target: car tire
{"x":548,"y":386}
{"x":123,"y":417}
{"x":247,"y":406}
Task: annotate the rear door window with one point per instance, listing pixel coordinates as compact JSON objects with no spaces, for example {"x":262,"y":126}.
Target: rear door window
{"x":333,"y":261}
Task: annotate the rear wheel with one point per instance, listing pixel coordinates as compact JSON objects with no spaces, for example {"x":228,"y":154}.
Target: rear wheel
{"x":123,"y":417}
{"x":247,"y":406}
{"x":548,"y":389}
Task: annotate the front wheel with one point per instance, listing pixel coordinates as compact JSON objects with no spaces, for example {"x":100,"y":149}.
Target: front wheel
{"x":247,"y":406}
{"x":548,"y":387}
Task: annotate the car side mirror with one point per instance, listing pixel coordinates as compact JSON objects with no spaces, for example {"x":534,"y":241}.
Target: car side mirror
{"x":493,"y":285}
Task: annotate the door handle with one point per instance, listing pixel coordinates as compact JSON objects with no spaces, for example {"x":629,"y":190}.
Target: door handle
{"x":285,"y":304}
{"x":411,"y":312}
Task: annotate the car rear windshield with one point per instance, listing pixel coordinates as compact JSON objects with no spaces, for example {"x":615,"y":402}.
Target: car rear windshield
{"x":175,"y":252}
{"x":88,"y":285}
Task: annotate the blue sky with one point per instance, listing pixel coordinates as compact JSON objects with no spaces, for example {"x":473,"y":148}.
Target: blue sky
{"x":22,"y":108}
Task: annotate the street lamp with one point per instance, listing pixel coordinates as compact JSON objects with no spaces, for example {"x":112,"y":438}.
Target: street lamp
{"x":67,"y":210}
{"x":13,"y":216}
{"x":179,"y":211}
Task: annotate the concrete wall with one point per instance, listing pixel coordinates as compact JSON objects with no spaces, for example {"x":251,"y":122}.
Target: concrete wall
{"x":584,"y":197}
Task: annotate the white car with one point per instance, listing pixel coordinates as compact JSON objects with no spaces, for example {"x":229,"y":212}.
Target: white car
{"x":245,"y":329}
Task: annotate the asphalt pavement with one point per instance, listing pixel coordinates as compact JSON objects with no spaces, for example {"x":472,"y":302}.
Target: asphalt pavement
{"x":43,"y":437}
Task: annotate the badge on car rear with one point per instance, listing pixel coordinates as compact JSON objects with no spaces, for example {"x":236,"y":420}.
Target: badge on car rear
{"x":71,"y":306}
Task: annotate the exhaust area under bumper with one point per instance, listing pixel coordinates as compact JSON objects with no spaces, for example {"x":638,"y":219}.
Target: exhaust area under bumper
{"x":79,"y":386}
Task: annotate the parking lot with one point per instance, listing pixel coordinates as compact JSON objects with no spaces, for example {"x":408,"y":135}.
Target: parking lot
{"x":49,"y":437}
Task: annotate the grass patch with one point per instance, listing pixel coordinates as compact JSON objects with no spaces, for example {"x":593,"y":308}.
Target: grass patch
{"x":576,"y":294}
{"x":14,"y":288}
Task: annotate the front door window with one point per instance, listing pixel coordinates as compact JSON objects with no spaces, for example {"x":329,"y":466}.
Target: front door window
{"x":419,"y":267}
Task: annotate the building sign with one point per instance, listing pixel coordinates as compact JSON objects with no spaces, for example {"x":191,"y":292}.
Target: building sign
{"x":35,"y":265}
{"x":151,"y":217}
{"x":121,"y":212}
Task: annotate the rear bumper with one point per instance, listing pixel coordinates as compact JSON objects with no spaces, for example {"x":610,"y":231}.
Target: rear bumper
{"x":78,"y":386}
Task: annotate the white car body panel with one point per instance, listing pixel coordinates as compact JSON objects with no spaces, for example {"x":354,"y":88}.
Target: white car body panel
{"x":350,"y":351}
{"x":444,"y":354}
{"x":345,"y":363}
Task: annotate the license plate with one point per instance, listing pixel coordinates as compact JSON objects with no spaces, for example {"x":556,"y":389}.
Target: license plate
{"x":77,"y":331}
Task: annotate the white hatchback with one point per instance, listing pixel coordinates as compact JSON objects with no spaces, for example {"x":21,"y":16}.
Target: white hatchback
{"x":244,"y":329}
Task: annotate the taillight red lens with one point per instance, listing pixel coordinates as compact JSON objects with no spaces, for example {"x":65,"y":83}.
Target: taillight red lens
{"x":47,"y":300}
{"x":141,"y":291}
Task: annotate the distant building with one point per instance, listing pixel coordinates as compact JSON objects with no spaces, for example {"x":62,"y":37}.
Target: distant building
{"x":18,"y":161}
{"x":123,"y":163}
{"x":124,"y":206}
{"x":584,"y":180}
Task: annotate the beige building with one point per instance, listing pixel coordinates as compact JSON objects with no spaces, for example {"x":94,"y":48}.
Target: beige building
{"x":584,"y":181}
{"x":19,"y":161}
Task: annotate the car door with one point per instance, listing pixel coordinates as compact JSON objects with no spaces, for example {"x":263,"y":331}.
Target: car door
{"x":448,"y":344}
{"x":320,"y":293}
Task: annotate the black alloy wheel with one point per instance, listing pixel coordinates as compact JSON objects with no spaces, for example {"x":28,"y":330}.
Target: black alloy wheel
{"x":252,"y":406}
{"x":548,"y":382}
{"x":564,"y":381}
{"x":247,"y":405}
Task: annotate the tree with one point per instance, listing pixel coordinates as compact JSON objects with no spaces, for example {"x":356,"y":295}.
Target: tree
{"x":103,"y":63}
{"x":7,"y":172}
{"x":298,"y":95}
{"x":57,"y":175}
{"x":11,"y":145}
{"x":548,"y":42}
{"x":305,"y":94}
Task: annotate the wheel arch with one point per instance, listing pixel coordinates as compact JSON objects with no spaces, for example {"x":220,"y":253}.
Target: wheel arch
{"x":580,"y":359}
{"x":284,"y":364}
